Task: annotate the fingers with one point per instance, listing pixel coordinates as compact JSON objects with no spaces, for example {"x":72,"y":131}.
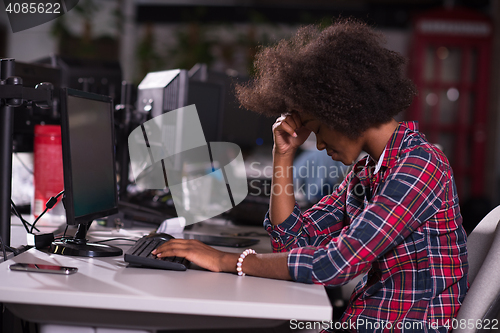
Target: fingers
{"x":289,"y":129}
{"x":294,"y":116}
{"x":289,"y":123}
{"x":168,"y":249}
{"x":177,"y":247}
{"x":194,"y":251}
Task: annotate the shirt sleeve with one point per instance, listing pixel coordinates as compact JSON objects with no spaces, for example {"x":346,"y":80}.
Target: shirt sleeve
{"x":410,"y":195}
{"x":315,"y":227}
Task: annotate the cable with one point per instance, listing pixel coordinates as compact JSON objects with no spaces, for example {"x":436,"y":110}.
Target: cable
{"x":13,"y":250}
{"x":121,"y":244}
{"x":117,"y":238}
{"x":63,"y":236}
{"x":50,"y":203}
{"x":22,"y":163}
{"x":16,"y":212}
{"x":6,"y":247}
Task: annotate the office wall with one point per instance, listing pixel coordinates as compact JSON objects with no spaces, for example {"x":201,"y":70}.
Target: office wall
{"x":39,"y":42}
{"x":29,"y":44}
{"x":230,"y":44}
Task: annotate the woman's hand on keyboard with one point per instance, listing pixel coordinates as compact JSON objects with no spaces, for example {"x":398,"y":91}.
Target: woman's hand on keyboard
{"x":198,"y":253}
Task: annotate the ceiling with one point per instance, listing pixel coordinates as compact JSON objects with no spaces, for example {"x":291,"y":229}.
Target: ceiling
{"x":382,"y":13}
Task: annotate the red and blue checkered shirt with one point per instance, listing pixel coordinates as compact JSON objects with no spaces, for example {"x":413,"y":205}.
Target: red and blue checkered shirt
{"x":401,"y":227}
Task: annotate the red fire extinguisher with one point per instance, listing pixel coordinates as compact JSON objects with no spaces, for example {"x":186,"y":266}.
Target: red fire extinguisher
{"x":48,"y":165}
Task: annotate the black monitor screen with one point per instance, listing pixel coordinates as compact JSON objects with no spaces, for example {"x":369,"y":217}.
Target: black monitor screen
{"x":208,"y":100}
{"x":88,"y":156}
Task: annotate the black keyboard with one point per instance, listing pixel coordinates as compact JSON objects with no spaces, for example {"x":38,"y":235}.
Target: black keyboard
{"x":140,"y":255}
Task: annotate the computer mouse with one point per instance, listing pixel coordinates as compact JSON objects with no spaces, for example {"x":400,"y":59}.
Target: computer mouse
{"x":161,"y":235}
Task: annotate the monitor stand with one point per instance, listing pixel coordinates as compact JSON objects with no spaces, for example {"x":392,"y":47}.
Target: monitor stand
{"x":80,"y":247}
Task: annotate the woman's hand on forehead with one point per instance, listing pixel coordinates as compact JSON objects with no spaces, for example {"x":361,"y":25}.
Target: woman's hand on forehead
{"x":290,"y":122}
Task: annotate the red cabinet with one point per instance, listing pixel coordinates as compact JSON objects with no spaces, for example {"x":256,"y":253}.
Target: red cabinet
{"x":450,"y":64}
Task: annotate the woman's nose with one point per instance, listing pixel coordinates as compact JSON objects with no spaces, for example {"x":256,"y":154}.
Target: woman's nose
{"x":320,"y":144}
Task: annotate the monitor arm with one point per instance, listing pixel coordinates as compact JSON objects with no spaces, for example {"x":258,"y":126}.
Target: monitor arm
{"x":12,"y":95}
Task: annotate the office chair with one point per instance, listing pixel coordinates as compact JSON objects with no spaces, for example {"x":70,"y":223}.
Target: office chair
{"x":482,"y":302}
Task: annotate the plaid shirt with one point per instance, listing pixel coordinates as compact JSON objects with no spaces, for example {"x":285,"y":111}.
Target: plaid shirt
{"x":401,"y":226}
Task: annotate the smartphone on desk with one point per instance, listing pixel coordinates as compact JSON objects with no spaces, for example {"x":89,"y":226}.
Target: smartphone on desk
{"x":40,"y":268}
{"x":223,"y":240}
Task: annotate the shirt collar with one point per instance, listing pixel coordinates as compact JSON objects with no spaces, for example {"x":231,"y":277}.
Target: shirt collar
{"x":379,"y":163}
{"x":391,"y":151}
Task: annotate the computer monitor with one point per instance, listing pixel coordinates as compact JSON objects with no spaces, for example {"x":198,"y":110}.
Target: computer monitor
{"x":90,"y":191}
{"x":164,"y":91}
{"x":243,"y":127}
{"x":209,"y":100}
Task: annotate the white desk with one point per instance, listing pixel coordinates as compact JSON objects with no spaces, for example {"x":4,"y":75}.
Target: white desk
{"x":104,"y":292}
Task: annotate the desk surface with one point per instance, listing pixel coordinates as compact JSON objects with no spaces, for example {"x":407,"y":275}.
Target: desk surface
{"x":106,"y":284}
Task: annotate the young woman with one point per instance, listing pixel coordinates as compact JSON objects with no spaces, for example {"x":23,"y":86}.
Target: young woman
{"x":395,"y":219}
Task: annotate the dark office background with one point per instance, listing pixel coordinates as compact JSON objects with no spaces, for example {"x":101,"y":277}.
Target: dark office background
{"x":157,"y":35}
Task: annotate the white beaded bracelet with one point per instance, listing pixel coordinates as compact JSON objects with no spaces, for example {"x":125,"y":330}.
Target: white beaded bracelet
{"x":240,"y":261}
